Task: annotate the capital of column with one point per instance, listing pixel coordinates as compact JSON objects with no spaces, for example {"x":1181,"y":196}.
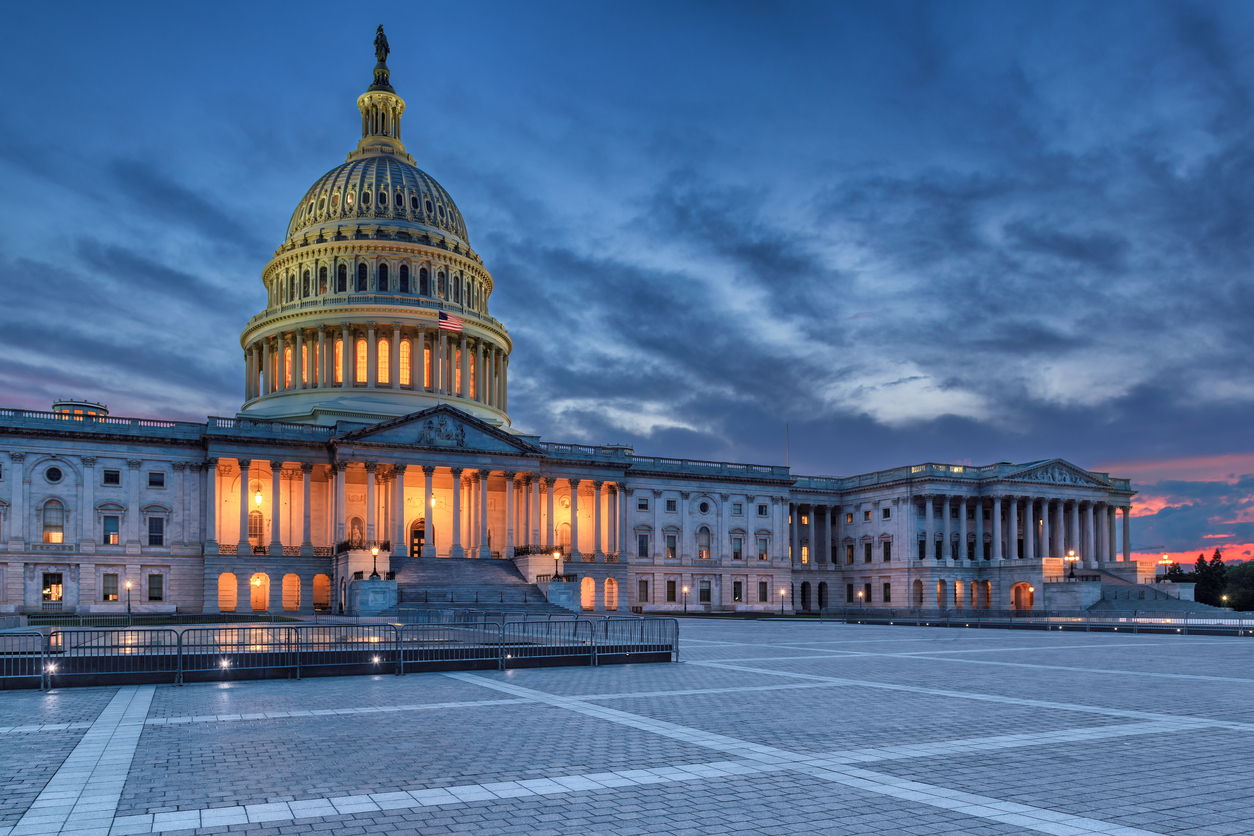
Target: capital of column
{"x":371,"y":467}
{"x":457,"y":472}
{"x":597,"y":485}
{"x":306,"y":467}
{"x":194,"y":467}
{"x":339,"y":467}
{"x":527,"y":479}
{"x":134,"y":464}
{"x":484,"y":474}
{"x":276,"y":465}
{"x":176,"y":465}
{"x":398,"y":469}
{"x":428,"y":470}
{"x":509,"y":475}
{"x":17,"y":457}
{"x":574,"y":484}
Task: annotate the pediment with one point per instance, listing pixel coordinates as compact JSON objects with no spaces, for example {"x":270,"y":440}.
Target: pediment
{"x":444,"y":428}
{"x":1056,"y":472}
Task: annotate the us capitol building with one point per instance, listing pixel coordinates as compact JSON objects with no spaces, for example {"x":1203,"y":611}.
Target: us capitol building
{"x":376,"y":416}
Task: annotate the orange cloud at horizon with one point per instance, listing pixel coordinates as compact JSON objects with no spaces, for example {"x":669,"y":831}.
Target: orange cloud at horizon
{"x":1226,"y":467}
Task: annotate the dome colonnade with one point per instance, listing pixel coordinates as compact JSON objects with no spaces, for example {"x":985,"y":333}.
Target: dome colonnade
{"x":377,"y":306}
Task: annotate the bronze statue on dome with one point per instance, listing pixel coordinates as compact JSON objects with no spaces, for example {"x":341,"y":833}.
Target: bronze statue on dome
{"x":381,"y":48}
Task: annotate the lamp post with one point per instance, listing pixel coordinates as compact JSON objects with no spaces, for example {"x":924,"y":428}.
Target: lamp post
{"x":781,"y":600}
{"x":374,"y":554}
{"x":860,"y":600}
{"x":1224,"y":598}
{"x":128,"y":599}
{"x":1071,"y":558}
{"x":1165,"y":562}
{"x":557,"y":565}
{"x":685,"y":600}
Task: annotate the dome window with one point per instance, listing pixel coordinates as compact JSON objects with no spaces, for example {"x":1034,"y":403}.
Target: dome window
{"x":322,"y":203}
{"x":439,"y":280}
{"x":361,"y":278}
{"x":424,"y":285}
{"x":335,"y":201}
{"x":365,"y":199}
{"x":399,"y":203}
{"x":383,"y":278}
{"x":383,"y":198}
{"x":322,"y":280}
{"x":413,"y":202}
{"x":348,"y":199}
{"x":404,"y":278}
{"x":439,"y":210}
{"x":304,"y":290}
{"x":309,"y":210}
{"x":429,"y":209}
{"x":341,"y":282}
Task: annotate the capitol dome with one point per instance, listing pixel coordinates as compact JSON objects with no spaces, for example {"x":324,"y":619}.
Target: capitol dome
{"x":377,"y":306}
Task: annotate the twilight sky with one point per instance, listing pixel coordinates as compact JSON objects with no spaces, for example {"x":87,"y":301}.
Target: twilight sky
{"x":962,"y":232}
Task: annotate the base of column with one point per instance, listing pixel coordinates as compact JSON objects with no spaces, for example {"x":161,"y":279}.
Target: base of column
{"x":211,"y":547}
{"x":244,"y":548}
{"x":457,"y":551}
{"x":429,"y":551}
{"x":575,"y":556}
{"x":306,"y":549}
{"x":276,"y":549}
{"x":485,"y":552}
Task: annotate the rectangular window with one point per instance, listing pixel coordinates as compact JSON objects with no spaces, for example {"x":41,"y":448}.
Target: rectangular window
{"x":888,"y":551}
{"x":737,"y":549}
{"x":886,"y":514}
{"x":761,"y":548}
{"x":888,"y":593}
{"x":738,"y":591}
{"x":848,"y":593}
{"x":670,"y":592}
{"x":110,"y":531}
{"x":866,"y":552}
{"x":922,"y":549}
{"x":113,"y":477}
{"x":670,"y":546}
{"x":642,"y":503}
{"x":762,"y":511}
{"x":849,"y":553}
{"x":642,"y":591}
{"x":866,"y":592}
{"x":805,"y":554}
{"x":109,"y":587}
{"x":737,"y":509}
{"x":970,"y":513}
{"x":156,"y":588}
{"x":703,"y":592}
{"x":670,"y":505}
{"x":953,"y":512}
{"x":988,"y":551}
{"x":970,"y":550}
{"x":764,"y":593}
{"x":156,"y":480}
{"x":642,"y":545}
{"x":849,"y":517}
{"x":866,"y":516}
{"x":156,"y":531}
{"x":805,"y":519}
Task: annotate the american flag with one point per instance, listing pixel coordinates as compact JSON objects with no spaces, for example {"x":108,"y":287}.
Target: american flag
{"x":450,"y":323}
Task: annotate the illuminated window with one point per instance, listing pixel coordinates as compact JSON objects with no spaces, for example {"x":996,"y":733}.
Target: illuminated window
{"x":474,"y":375}
{"x":848,"y":518}
{"x":109,"y":587}
{"x":287,"y":368}
{"x":761,"y":548}
{"x":703,"y":543}
{"x":866,"y":516}
{"x":404,"y":279}
{"x":361,"y":278}
{"x":254,"y":527}
{"x":426,"y":364}
{"x":111,"y":531}
{"x":338,"y":362}
{"x":805,"y":554}
{"x":383,"y":278}
{"x":385,"y":366}
{"x":304,"y":364}
{"x":361,"y":361}
{"x":404,"y":358}
{"x":54,"y":522}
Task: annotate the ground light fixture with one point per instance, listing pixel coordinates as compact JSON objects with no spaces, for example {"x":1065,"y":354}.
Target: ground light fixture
{"x":374,"y":554}
{"x":1071,"y":559}
{"x":781,"y":601}
{"x":685,"y":600}
{"x":128,"y":598}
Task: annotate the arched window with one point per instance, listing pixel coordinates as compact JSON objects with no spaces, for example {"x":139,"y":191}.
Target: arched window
{"x":361,"y":361}
{"x":383,"y":278}
{"x":54,"y":522}
{"x":399,"y":201}
{"x":423,"y":285}
{"x":304,"y":364}
{"x":703,"y":542}
{"x":385,"y":365}
{"x":341,"y":284}
{"x":361,"y":278}
{"x":287,"y":368}
{"x":322,"y":280}
{"x":440,"y":289}
{"x":611,"y":594}
{"x":383,"y":198}
{"x":304,"y":291}
{"x":404,"y":285}
{"x":588,"y":594}
{"x":291,"y":287}
{"x":404,"y":362}
{"x":255,"y":524}
{"x":339,"y":361}
{"x":457,"y":289}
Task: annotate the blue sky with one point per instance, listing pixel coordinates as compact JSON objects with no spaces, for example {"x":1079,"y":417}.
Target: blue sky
{"x":911,"y":231}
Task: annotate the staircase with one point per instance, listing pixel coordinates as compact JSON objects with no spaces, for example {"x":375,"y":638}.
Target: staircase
{"x":445,"y":583}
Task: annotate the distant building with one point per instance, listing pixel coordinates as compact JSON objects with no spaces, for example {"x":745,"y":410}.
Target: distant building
{"x":376,"y":415}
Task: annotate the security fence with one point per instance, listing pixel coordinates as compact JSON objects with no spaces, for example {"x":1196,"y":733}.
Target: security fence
{"x":467,"y":641}
{"x":1135,"y":621}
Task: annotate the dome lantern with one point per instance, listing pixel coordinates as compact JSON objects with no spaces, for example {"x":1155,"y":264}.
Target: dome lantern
{"x":381,"y":110}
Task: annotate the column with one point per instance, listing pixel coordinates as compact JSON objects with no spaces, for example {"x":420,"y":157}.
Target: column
{"x":179,"y":502}
{"x":962,"y":528}
{"x":211,"y":506}
{"x":1012,"y":525}
{"x":596,"y":521}
{"x":504,"y":382}
{"x":489,"y":376}
{"x":372,"y":367}
{"x":838,"y":521}
{"x":533,"y":510}
{"x":929,"y":532}
{"x":794,"y":532}
{"x":810,"y":533}
{"x":485,"y":548}
{"x":549,"y":542}
{"x":1029,"y":527}
{"x":348,"y":372}
{"x":371,"y":508}
{"x":1046,"y":551}
{"x":612,"y":509}
{"x":574,"y":519}
{"x":1099,"y":535}
{"x":1110,"y":531}
{"x":527,"y":537}
{"x":979,"y":529}
{"x":306,"y":524}
{"x":456,"y":550}
{"x":428,"y":511}
{"x":341,"y":500}
{"x":997,"y":529}
{"x":245,"y":465}
{"x":947,"y":527}
{"x":507,"y":550}
{"x":1127,"y":533}
{"x":323,"y":365}
{"x":1090,"y":553}
{"x":276,"y":506}
{"x":399,"y":538}
{"x":267,"y":374}
{"x":480,"y":392}
{"x":1060,"y":529}
{"x":299,"y":363}
{"x":437,"y":358}
{"x":394,"y":360}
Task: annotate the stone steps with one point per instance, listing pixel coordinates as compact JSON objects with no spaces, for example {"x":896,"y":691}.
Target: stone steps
{"x":461,"y":583}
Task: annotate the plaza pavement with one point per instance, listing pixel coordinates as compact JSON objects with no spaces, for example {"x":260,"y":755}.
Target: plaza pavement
{"x":764,"y":727}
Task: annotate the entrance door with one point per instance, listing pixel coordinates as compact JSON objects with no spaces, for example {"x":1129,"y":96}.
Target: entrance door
{"x":417,"y":538}
{"x":52,"y":587}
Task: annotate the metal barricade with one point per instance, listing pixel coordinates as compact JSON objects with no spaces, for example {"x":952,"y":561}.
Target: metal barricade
{"x":339,"y":649}
{"x":533,"y":643}
{"x":22,"y":659}
{"x":216,"y":653}
{"x":642,"y":638}
{"x":102,"y":657}
{"x":432,"y":647}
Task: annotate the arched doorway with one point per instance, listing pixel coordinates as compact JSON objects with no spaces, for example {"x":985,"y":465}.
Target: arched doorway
{"x":823,"y":594}
{"x":983,"y":595}
{"x":260,"y":586}
{"x":942,"y":602}
{"x":588,"y":594}
{"x":805,"y":596}
{"x":959,"y":595}
{"x":291,"y":592}
{"x":321,"y":592}
{"x":563,"y":537}
{"x":916,"y":595}
{"x":1021,"y":596}
{"x":418,"y":538}
{"x":611,"y":594}
{"x":227,"y":592}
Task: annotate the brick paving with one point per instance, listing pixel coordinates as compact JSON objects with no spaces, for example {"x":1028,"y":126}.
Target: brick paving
{"x":765,"y":727}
